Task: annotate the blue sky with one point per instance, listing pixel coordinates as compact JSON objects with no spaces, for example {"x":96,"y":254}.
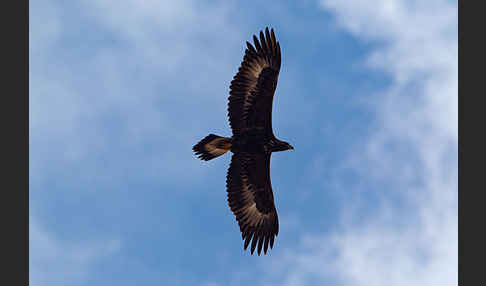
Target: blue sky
{"x":121,"y":90}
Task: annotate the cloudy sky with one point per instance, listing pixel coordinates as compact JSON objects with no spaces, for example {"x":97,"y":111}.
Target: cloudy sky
{"x":121,"y":90}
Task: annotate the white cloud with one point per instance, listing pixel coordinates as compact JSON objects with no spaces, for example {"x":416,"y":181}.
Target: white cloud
{"x":54,"y":261}
{"x":409,"y":162}
{"x":109,"y":100}
{"x":99,"y":112}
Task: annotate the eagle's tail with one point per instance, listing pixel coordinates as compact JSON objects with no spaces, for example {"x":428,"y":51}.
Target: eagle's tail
{"x":212,"y":146}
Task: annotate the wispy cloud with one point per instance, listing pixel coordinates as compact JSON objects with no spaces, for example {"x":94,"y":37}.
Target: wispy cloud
{"x":59,"y":262}
{"x":408,"y":163}
{"x":106,"y":103}
{"x":108,"y":82}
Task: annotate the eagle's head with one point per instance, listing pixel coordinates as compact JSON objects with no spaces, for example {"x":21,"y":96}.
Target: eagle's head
{"x":289,"y":147}
{"x":283,"y":146}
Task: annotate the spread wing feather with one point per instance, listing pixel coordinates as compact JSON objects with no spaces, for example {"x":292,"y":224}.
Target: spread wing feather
{"x":250,"y":198}
{"x":253,"y":87}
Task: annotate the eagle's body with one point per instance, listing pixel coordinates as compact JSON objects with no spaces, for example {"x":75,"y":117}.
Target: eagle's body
{"x":249,"y":188}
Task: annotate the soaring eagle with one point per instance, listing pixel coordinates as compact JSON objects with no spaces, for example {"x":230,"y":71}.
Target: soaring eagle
{"x":249,"y":189}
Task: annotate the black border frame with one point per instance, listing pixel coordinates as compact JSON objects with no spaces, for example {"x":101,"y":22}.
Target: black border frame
{"x":15,"y":117}
{"x":470,"y":173}
{"x":15,"y":141}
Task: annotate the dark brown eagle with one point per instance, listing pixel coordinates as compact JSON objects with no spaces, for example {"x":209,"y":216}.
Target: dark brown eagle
{"x":250,"y":195}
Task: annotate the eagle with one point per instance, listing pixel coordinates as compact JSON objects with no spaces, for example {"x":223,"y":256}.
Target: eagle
{"x":248,"y":184}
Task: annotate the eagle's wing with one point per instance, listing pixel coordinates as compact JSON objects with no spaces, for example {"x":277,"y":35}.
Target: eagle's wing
{"x":252,"y":88}
{"x":250,"y":198}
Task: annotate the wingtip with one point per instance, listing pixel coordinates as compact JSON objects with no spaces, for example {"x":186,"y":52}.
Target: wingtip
{"x":269,"y":29}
